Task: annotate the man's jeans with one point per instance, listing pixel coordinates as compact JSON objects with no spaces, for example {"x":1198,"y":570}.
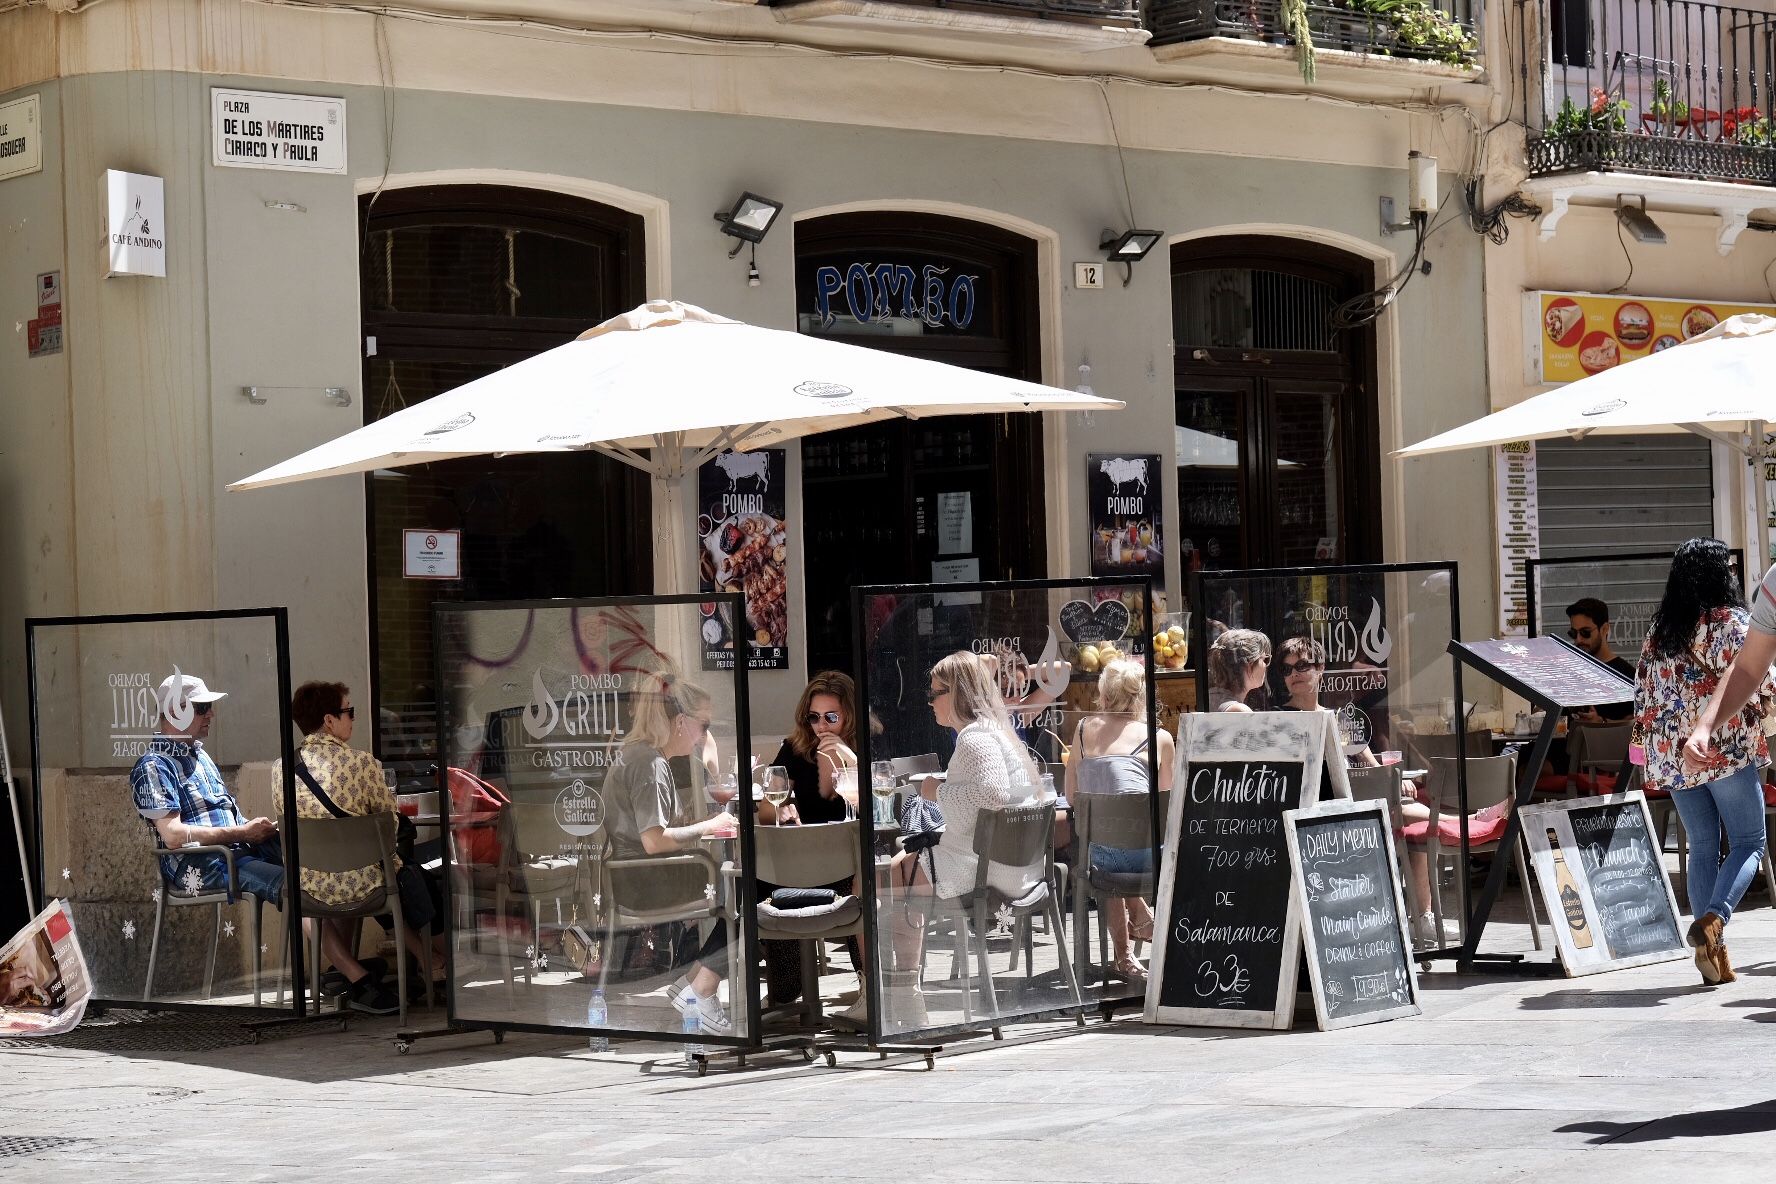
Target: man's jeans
{"x":1737,"y":802}
{"x":258,"y":868}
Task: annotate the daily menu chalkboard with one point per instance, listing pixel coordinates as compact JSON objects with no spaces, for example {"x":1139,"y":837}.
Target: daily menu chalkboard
{"x":1228,"y":925}
{"x":1603,"y":878}
{"x":1548,"y":670}
{"x":1359,"y":954}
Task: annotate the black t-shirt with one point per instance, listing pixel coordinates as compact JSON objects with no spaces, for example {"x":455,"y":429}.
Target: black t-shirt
{"x":804,"y":785}
{"x":1616,"y":712}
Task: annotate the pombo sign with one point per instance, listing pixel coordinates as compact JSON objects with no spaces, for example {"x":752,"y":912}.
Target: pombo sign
{"x":135,"y":224}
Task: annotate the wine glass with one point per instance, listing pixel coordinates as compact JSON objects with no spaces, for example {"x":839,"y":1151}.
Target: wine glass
{"x":776,"y":785}
{"x":882,"y":787}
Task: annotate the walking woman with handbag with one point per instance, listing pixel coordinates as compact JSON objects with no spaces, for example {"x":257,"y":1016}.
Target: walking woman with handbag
{"x":1702,"y":744}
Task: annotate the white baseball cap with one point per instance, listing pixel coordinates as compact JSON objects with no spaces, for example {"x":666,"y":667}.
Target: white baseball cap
{"x":187,"y":688}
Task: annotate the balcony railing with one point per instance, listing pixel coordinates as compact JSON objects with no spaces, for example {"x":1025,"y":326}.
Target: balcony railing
{"x":1665,"y":87}
{"x":1429,"y":30}
{"x":1107,"y":12}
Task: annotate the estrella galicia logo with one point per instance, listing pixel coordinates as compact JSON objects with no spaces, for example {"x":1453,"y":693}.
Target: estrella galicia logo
{"x":579,"y":810}
{"x":823,"y":390}
{"x":542,"y":713}
{"x":451,"y":425}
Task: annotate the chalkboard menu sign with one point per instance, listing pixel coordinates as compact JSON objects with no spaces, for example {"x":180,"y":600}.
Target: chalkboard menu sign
{"x":1602,"y":875}
{"x":1228,"y":926}
{"x":1547,"y":670}
{"x":1359,"y":953}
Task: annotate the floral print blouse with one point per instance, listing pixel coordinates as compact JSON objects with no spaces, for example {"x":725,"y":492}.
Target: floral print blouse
{"x":354,"y":780}
{"x":1670,"y":693}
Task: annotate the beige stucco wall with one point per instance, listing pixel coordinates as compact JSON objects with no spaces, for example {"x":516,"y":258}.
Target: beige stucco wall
{"x":257,"y":295}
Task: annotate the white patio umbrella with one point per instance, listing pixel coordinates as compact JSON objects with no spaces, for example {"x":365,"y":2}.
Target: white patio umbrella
{"x":1720,"y":384}
{"x":683,"y":383}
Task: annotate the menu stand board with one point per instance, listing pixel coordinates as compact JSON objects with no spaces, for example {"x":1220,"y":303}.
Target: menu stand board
{"x":1347,"y":886}
{"x":1231,"y":922}
{"x":1602,"y":876}
{"x":1553,"y":675}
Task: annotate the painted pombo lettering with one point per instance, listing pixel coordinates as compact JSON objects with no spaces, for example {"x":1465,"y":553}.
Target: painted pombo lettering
{"x":451,"y":425}
{"x":823,"y":390}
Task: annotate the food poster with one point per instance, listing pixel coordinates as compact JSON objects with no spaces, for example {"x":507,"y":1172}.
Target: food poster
{"x":1126,"y":539}
{"x":1580,"y":334}
{"x":742,"y":546}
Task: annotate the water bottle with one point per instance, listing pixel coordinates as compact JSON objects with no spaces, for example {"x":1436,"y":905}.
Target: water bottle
{"x":693,"y":1028}
{"x":598,"y":1018}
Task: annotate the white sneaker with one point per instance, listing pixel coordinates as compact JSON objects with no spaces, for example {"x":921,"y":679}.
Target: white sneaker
{"x":712,"y":1017}
{"x":1425,"y":934}
{"x":856,"y":1015}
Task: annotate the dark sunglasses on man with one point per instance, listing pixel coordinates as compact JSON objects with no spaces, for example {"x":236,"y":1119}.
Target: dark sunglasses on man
{"x":348,"y":712}
{"x":1584,"y":633}
{"x":201,"y":708}
{"x":814,"y":717}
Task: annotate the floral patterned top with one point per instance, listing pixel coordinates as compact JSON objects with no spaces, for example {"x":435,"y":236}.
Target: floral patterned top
{"x":1670,"y":693}
{"x":354,"y":780}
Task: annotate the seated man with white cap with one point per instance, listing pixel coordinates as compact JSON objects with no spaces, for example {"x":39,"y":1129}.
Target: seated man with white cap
{"x":179,"y":790}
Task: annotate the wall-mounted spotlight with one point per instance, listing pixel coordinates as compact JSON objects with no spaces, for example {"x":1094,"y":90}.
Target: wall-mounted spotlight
{"x":1640,"y":226}
{"x":1127,"y":247}
{"x":749,"y":220}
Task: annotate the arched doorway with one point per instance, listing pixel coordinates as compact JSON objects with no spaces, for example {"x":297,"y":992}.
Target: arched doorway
{"x":900,"y":502}
{"x":457,"y":282}
{"x":1277,"y":433}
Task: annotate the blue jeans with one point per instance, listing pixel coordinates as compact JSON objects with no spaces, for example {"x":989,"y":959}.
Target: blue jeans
{"x":1736,"y":802}
{"x":1121,"y":859}
{"x":258,"y":868}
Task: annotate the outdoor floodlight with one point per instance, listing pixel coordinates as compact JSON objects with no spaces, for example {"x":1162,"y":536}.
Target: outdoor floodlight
{"x":1130,"y":245}
{"x":750,"y":219}
{"x":1640,"y":226}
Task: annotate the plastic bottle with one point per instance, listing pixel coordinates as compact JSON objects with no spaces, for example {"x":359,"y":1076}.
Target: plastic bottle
{"x":693,"y":1027}
{"x":598,"y":1018}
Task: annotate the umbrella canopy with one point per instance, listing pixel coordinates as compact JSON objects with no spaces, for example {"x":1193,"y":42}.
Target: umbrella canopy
{"x":679,"y":381}
{"x":1717,"y":384}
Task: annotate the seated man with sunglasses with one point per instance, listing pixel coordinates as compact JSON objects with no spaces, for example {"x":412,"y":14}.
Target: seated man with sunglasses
{"x":1589,"y":623}
{"x":179,"y":791}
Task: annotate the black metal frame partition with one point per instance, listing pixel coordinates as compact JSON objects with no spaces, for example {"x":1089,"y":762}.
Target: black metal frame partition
{"x":743,"y":884}
{"x":924,"y":1039}
{"x":1532,"y":567}
{"x":291,"y":910}
{"x":1203,"y":581}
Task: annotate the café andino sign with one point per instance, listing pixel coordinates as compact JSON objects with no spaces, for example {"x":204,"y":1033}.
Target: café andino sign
{"x":1575,"y":334}
{"x":21,"y":136}
{"x":253,"y":129}
{"x":135,"y":224}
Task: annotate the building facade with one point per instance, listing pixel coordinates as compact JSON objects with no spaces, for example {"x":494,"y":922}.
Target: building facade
{"x":509,"y":177}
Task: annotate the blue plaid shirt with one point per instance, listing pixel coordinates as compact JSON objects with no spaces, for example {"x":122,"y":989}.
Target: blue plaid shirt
{"x":177,"y":776}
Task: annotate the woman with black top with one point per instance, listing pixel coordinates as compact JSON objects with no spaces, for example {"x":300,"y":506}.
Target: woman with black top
{"x":820,"y":743}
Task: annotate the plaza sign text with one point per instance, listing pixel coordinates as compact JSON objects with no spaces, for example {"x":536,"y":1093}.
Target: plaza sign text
{"x":296,"y":133}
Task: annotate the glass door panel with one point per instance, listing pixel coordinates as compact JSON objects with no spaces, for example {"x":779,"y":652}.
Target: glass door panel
{"x":1304,"y":474}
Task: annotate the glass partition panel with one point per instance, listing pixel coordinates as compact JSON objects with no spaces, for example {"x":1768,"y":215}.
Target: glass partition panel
{"x":159,"y":774}
{"x":597,"y":878}
{"x":985,"y":719}
{"x":1629,"y":585}
{"x":1370,"y":644}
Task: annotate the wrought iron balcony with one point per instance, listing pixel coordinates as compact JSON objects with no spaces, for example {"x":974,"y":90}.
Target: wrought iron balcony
{"x":1430,"y":30}
{"x":1670,"y":88}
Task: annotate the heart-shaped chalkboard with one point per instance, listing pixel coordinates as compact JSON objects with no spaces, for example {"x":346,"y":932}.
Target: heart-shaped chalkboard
{"x":1087,"y":624}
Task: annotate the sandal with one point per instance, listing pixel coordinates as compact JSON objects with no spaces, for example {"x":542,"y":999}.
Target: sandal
{"x":1130,"y":971}
{"x":1142,"y":932}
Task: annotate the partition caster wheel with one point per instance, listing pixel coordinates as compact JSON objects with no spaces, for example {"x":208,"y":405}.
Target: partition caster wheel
{"x":401,"y":1046}
{"x":499,"y":1036}
{"x":808,"y":1056}
{"x":930,"y":1061}
{"x":832,"y":1061}
{"x":702,"y":1066}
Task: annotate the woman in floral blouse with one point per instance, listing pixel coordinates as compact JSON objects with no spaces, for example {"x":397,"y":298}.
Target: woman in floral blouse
{"x":1697,"y":631}
{"x":355,"y":782}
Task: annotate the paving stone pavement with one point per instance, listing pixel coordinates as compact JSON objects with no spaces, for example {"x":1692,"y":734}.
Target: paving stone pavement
{"x":1636,"y":1075}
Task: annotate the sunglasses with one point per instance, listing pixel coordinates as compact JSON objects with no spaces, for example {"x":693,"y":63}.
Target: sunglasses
{"x":201,"y":708}
{"x":936,"y":693}
{"x":831,"y":717}
{"x":1575,"y":634}
{"x":347,"y":713}
{"x":1300,"y":667}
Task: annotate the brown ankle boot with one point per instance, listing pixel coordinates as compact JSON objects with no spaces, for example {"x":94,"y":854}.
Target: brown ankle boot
{"x":1723,"y":964}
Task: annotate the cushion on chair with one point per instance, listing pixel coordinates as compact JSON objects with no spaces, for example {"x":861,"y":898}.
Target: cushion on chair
{"x":1551,"y":783}
{"x":1599,"y":783}
{"x":1449,"y":831}
{"x":1769,"y":794}
{"x":846,"y":910}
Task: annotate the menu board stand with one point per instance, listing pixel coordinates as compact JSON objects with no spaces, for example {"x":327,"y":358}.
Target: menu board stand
{"x":1227,"y":930}
{"x":1554,"y":675}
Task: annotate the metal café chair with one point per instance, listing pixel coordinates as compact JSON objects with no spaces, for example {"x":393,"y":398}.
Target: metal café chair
{"x":188,"y":892}
{"x":537,"y":864}
{"x":343,"y":845}
{"x":809,"y":856}
{"x":1119,"y":820}
{"x":1491,"y":780}
{"x":1384,"y":783}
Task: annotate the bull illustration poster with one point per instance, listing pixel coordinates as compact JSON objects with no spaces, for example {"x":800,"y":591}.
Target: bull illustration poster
{"x":742,"y":545}
{"x":1126,"y":538}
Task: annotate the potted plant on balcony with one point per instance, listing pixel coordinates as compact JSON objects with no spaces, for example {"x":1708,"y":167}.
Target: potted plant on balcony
{"x":1604,"y":113}
{"x":1416,"y":29}
{"x":1665,"y":113}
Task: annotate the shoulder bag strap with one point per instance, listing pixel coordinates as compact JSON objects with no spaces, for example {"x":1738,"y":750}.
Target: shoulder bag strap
{"x":320,"y":794}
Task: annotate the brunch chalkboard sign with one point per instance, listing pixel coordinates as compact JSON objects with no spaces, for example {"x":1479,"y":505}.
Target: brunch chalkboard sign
{"x":1547,"y":671}
{"x":1228,"y":926}
{"x":1602,"y":875}
{"x":1347,"y":883}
